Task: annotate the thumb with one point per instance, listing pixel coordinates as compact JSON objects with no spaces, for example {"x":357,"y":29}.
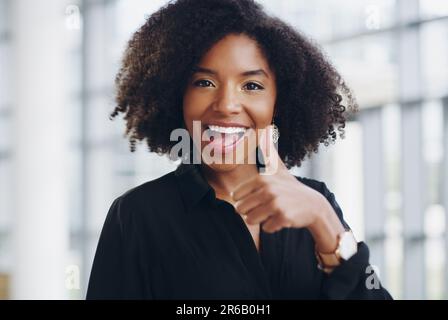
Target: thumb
{"x":271,"y":158}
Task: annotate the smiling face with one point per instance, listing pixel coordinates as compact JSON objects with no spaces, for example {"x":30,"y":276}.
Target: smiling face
{"x":232,"y":90}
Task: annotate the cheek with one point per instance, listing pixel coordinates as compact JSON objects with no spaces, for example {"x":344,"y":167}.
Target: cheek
{"x":194,"y":105}
{"x":188,"y":110}
{"x":262,"y":113}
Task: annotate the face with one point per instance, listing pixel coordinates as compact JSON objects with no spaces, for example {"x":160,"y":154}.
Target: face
{"x":232,"y":91}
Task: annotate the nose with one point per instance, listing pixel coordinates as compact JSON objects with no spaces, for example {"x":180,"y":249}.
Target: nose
{"x":227,"y":101}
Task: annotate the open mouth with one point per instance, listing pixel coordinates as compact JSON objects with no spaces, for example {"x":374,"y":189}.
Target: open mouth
{"x":224,"y":137}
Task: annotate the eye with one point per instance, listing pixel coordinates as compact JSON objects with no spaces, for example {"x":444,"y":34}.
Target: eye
{"x":252,"y":86}
{"x":203,"y":83}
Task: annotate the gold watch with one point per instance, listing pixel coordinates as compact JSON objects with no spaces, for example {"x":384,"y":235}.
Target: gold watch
{"x":347,"y":247}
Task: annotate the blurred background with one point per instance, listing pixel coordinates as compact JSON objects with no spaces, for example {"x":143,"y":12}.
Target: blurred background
{"x":62,"y":161}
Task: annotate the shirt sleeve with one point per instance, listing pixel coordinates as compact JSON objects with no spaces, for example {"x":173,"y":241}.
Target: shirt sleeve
{"x":354,"y":278}
{"x":116,"y":272}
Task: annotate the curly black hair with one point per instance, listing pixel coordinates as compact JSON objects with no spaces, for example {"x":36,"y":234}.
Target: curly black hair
{"x":160,"y":58}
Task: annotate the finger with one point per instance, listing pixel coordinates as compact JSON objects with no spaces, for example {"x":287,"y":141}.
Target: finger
{"x":260,"y":213}
{"x":273,"y":224}
{"x":251,"y":201}
{"x":272,"y":160}
{"x":246,"y":188}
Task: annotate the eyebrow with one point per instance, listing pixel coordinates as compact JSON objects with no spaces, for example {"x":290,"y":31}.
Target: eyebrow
{"x":245,"y":73}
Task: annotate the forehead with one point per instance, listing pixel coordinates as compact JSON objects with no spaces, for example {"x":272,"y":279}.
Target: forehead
{"x":235,"y":53}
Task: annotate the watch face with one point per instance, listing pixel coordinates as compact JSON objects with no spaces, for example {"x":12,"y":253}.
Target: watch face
{"x":347,"y":245}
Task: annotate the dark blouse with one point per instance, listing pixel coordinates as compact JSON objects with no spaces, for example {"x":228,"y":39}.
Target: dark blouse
{"x":171,"y":238}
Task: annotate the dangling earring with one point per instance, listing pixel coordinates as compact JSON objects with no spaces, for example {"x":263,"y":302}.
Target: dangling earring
{"x":275,"y":132}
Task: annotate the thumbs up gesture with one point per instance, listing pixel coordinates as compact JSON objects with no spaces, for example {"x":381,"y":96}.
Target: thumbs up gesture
{"x":276,"y":199}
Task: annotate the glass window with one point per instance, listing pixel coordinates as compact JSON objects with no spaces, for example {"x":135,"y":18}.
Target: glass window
{"x":369,"y":66}
{"x":129,"y":18}
{"x":435,"y":223}
{"x":5,"y":151}
{"x":5,"y":75}
{"x":393,"y":198}
{"x":433,"y":8}
{"x":434,"y":51}
{"x":342,"y":18}
{"x":4,"y":18}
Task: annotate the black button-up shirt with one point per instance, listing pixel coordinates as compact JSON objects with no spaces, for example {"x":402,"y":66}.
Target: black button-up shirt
{"x":171,"y":238}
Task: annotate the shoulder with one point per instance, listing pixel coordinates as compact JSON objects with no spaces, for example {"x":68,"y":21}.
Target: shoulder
{"x":140,"y":206}
{"x":321,"y":187}
{"x":155,"y":187}
{"x":147,"y":194}
{"x":317,"y":185}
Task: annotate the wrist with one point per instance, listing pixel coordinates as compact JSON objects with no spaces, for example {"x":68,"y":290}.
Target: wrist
{"x":325,"y":228}
{"x":346,"y":248}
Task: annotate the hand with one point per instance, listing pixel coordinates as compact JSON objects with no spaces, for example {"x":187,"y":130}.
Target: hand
{"x":277,"y":200}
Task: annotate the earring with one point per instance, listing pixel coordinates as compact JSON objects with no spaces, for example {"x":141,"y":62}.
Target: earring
{"x":275,"y":133}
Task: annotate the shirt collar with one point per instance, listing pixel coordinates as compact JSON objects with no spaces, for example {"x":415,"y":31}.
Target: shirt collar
{"x":193,"y":185}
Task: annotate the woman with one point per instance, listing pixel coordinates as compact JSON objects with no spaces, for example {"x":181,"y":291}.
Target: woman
{"x":225,"y":70}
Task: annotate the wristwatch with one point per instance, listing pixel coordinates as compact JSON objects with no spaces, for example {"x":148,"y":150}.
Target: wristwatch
{"x":347,"y":247}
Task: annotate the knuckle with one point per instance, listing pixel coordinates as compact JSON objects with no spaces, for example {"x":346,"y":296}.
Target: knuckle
{"x":262,"y":180}
{"x":266,"y":228}
{"x":268,"y":190}
{"x":275,"y":203}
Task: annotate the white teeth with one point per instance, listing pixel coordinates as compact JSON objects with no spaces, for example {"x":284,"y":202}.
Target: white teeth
{"x":227,"y":129}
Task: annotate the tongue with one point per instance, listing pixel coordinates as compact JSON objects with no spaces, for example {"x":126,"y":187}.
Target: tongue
{"x":224,"y":139}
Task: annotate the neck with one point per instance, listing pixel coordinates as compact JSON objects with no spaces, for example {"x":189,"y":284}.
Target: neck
{"x":226,"y":181}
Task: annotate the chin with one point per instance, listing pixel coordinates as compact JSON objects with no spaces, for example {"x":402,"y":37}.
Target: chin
{"x":222,"y":167}
{"x":230,"y":165}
